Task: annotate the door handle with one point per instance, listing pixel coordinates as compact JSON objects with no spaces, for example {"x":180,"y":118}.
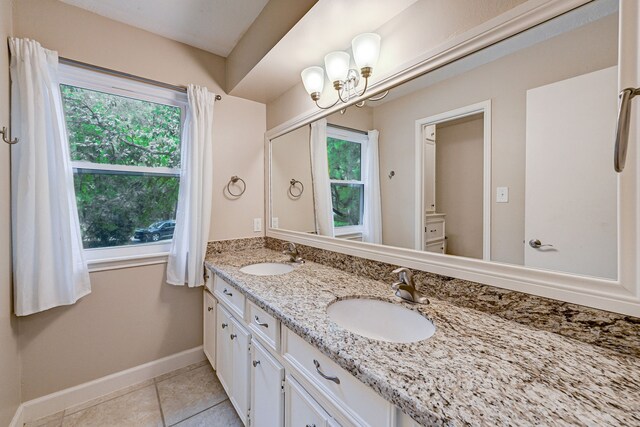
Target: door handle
{"x":537,"y":244}
{"x":622,"y":130}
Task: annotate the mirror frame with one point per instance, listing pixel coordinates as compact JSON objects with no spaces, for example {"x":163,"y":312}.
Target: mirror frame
{"x":621,"y":295}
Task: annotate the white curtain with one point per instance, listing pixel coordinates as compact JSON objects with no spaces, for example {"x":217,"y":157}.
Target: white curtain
{"x":372,"y":218}
{"x":48,"y":263}
{"x":321,"y":184}
{"x":189,"y":245}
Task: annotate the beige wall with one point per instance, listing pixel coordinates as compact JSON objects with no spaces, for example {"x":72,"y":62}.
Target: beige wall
{"x":132,"y":316}
{"x":9,"y":356}
{"x":459,"y":168}
{"x":414,"y":32}
{"x":504,"y":82}
{"x":291,"y":158}
{"x":353,"y":118}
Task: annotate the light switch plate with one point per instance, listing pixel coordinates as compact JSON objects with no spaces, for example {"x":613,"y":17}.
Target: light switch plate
{"x":275,"y":222}
{"x":257,"y":224}
{"x":502,"y":195}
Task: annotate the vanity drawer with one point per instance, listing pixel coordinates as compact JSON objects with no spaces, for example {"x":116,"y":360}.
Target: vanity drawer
{"x":263,"y":325}
{"x":437,"y":247}
{"x":229,"y":296}
{"x":435,"y":230}
{"x":360,"y":401}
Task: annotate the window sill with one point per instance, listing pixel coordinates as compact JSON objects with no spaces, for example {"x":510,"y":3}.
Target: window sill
{"x":130,"y":261}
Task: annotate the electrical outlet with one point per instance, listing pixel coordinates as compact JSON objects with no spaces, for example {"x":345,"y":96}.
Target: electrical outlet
{"x":502,"y":195}
{"x":257,"y":224}
{"x":275,"y":222}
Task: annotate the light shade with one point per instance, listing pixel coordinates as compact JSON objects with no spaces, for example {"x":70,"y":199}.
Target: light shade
{"x":366,"y":49}
{"x":313,"y":79}
{"x":337,"y":65}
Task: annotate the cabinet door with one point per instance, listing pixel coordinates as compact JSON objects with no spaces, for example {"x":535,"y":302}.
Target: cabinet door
{"x":223,"y":347}
{"x":267,"y":394}
{"x":301,"y":410}
{"x":209,"y":328}
{"x":240,"y":345}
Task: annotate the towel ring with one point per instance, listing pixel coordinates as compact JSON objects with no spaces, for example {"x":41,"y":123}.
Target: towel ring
{"x":234,"y":179}
{"x":292,"y":187}
{"x":6,"y":138}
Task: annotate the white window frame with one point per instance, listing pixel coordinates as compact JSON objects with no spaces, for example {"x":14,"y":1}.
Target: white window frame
{"x":144,"y":253}
{"x":358,"y":138}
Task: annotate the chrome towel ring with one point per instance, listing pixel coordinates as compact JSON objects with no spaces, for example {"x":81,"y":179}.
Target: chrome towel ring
{"x":294,"y":191}
{"x":234,"y":180}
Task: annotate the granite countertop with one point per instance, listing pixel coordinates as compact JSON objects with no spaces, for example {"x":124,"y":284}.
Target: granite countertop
{"x":477,"y":369}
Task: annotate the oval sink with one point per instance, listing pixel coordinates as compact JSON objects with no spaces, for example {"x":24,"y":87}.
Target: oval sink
{"x":267,"y":269}
{"x":381,"y":320}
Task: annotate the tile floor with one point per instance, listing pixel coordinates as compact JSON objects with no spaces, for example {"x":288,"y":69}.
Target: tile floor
{"x":189,"y":397}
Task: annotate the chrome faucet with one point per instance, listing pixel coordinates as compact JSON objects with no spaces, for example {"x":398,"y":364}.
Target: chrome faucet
{"x":291,"y":250}
{"x":405,"y":287}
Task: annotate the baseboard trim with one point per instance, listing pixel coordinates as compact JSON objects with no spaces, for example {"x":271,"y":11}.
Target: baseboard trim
{"x":58,"y":401}
{"x":18,"y":418}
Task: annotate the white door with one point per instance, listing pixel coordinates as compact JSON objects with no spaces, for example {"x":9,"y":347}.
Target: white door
{"x":223,"y":348}
{"x":300,"y":408}
{"x":240,"y":345}
{"x":571,"y":188}
{"x":209,"y":327}
{"x":267,"y":393}
{"x":429,"y":173}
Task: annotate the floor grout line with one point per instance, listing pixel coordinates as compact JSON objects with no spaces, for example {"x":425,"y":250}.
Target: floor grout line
{"x":155,"y":385}
{"x":198,"y":413}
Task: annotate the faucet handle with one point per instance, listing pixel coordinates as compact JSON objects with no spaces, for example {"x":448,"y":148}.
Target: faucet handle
{"x":405,"y":274}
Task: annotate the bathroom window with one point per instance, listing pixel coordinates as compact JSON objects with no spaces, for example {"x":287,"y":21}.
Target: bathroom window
{"x":124,"y":141}
{"x":344,"y":152}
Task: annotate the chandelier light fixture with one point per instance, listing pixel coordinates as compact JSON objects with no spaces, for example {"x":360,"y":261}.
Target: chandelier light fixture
{"x":366,"y":50}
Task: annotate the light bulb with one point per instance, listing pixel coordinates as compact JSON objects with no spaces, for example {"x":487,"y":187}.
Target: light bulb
{"x":337,"y":66}
{"x":313,"y":80}
{"x":366,"y":50}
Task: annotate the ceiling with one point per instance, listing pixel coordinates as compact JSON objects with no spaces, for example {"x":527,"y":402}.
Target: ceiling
{"x":212,"y":25}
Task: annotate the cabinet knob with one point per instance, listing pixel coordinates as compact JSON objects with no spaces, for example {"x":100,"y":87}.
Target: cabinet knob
{"x":256,"y":363}
{"x":233,"y":336}
{"x":224,"y":325}
{"x":209,"y":308}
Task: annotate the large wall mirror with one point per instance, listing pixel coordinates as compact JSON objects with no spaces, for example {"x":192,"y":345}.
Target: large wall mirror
{"x":504,"y":156}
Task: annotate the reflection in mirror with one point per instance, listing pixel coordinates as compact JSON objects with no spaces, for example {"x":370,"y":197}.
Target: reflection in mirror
{"x":504,"y":155}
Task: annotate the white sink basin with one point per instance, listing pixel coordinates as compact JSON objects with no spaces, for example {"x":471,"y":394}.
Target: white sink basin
{"x":381,"y":320}
{"x":267,"y":269}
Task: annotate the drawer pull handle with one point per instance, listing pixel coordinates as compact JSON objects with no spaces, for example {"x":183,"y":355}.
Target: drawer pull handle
{"x":322,"y":374}
{"x":227,"y":293}
{"x":311,"y":425}
{"x":432,"y":231}
{"x":256,"y":363}
{"x":233,"y":336}
{"x":259,"y":323}
{"x":209,"y":308}
{"x":224,"y":325}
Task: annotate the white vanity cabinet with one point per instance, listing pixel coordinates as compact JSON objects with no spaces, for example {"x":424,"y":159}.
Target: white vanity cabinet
{"x":232,"y":360}
{"x":267,"y":388}
{"x":302,"y":409}
{"x":254,"y":354}
{"x":209,"y":327}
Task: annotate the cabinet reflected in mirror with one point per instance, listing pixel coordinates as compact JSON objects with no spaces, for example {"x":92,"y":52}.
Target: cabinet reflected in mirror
{"x":504,"y":155}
